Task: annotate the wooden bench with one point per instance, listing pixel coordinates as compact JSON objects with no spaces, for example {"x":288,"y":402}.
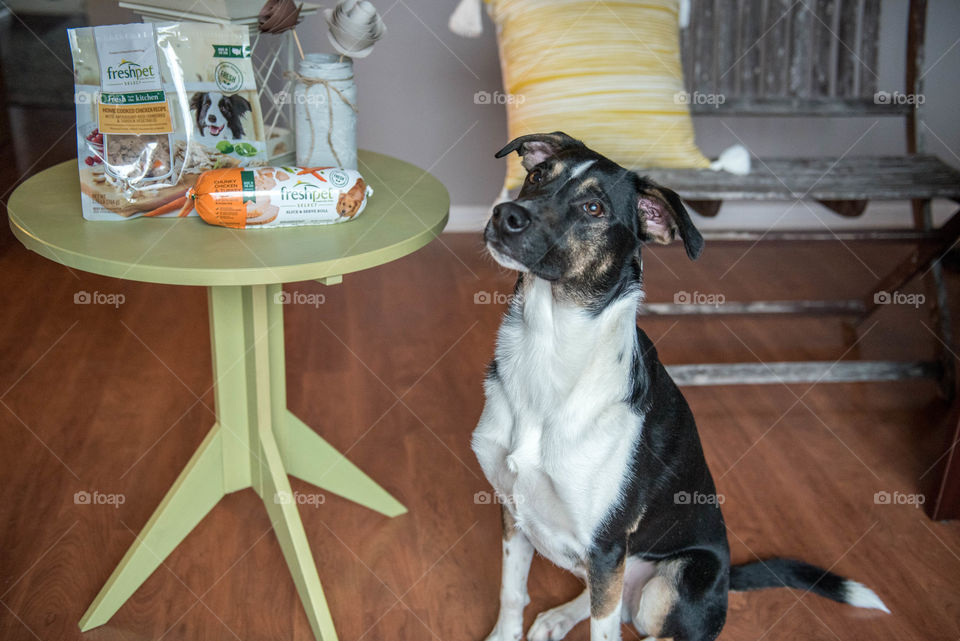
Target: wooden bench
{"x":780,"y":58}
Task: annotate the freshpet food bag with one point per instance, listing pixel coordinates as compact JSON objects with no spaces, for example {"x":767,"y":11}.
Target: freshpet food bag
{"x":157,"y":105}
{"x":278,"y":196}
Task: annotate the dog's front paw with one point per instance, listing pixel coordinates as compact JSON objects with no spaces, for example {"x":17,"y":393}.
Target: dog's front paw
{"x":552,"y":625}
{"x":500,"y":633}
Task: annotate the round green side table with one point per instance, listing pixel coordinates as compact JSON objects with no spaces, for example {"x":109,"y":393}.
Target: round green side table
{"x":256,"y":441}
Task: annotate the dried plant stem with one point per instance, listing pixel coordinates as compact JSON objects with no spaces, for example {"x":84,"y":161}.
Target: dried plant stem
{"x":296,"y":39}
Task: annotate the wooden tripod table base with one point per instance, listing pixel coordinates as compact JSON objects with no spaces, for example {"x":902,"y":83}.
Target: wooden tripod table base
{"x":256,"y":442}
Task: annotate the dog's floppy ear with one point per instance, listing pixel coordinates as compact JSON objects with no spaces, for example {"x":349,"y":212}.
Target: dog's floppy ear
{"x":196,"y":101}
{"x":535,"y":148}
{"x":196,"y":104}
{"x":240,"y":104}
{"x":238,"y":107}
{"x":663,"y":218}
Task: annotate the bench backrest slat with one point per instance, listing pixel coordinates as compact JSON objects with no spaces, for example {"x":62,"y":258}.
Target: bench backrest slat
{"x":760,"y":55}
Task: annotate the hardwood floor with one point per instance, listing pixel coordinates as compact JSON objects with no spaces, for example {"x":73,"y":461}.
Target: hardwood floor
{"x":113,"y":400}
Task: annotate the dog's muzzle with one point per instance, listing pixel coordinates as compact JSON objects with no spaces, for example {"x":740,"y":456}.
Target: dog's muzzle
{"x":506,"y":224}
{"x":510,"y":219}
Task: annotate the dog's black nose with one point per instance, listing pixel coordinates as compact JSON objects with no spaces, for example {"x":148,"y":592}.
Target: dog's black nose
{"x":511,"y":218}
{"x":212,"y":118}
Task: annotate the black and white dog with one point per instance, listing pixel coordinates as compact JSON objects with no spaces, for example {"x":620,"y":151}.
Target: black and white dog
{"x":214,"y":113}
{"x":584,"y":435}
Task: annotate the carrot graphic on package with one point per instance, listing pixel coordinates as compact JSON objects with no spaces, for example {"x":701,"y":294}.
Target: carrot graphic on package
{"x":313,"y":171}
{"x":171,"y":206}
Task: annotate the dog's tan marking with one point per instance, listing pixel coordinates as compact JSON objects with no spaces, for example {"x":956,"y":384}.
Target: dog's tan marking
{"x":587,"y":184}
{"x":636,"y":524}
{"x":606,"y":263}
{"x":658,"y":598}
{"x":585,"y":260}
{"x":605,"y":597}
{"x":584,"y":253}
{"x":509,"y":524}
{"x":557,"y":169}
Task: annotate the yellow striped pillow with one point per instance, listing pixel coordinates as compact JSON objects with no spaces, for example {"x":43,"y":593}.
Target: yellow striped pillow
{"x":607,"y":73}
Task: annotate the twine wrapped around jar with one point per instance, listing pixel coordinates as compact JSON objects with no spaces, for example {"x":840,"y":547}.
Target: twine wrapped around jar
{"x":325,"y":104}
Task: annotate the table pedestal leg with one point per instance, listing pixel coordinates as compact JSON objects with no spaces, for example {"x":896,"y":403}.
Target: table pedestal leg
{"x":310,"y":458}
{"x":198,"y":488}
{"x":255,"y":443}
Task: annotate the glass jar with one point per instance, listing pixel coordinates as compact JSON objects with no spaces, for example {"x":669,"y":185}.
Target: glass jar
{"x":325,"y":104}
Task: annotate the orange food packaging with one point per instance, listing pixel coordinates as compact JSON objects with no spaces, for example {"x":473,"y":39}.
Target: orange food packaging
{"x":264,"y":197}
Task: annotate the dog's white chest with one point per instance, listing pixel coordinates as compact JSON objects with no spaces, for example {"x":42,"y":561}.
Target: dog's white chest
{"x":556,"y":433}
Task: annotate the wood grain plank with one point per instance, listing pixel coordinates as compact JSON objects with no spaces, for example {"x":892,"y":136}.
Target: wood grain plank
{"x":869,"y":33}
{"x":848,"y":48}
{"x":801,"y":59}
{"x":727,"y":49}
{"x":751,"y":46}
{"x":823,"y":48}
{"x":802,"y":107}
{"x":851,"y":178}
{"x":776,"y":50}
{"x":704,"y":46}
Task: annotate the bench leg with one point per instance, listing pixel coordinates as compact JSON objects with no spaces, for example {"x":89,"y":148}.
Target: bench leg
{"x":918,"y":260}
{"x":923,"y":257}
{"x":945,"y":489}
{"x":940,"y":310}
{"x":942,"y":480}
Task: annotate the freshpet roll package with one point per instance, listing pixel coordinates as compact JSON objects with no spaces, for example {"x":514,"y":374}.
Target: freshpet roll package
{"x":278,"y":196}
{"x":157,"y":105}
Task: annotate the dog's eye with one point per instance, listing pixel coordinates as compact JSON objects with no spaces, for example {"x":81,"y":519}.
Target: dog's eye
{"x":593,"y":207}
{"x":535,"y":176}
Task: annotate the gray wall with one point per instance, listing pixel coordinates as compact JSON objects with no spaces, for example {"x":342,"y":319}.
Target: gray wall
{"x":416,"y":98}
{"x":416,"y":93}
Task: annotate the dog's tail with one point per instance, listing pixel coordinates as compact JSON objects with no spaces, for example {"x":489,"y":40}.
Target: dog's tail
{"x":787,"y":573}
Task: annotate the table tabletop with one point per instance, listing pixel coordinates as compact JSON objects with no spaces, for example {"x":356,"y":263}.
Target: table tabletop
{"x":408,"y":209}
